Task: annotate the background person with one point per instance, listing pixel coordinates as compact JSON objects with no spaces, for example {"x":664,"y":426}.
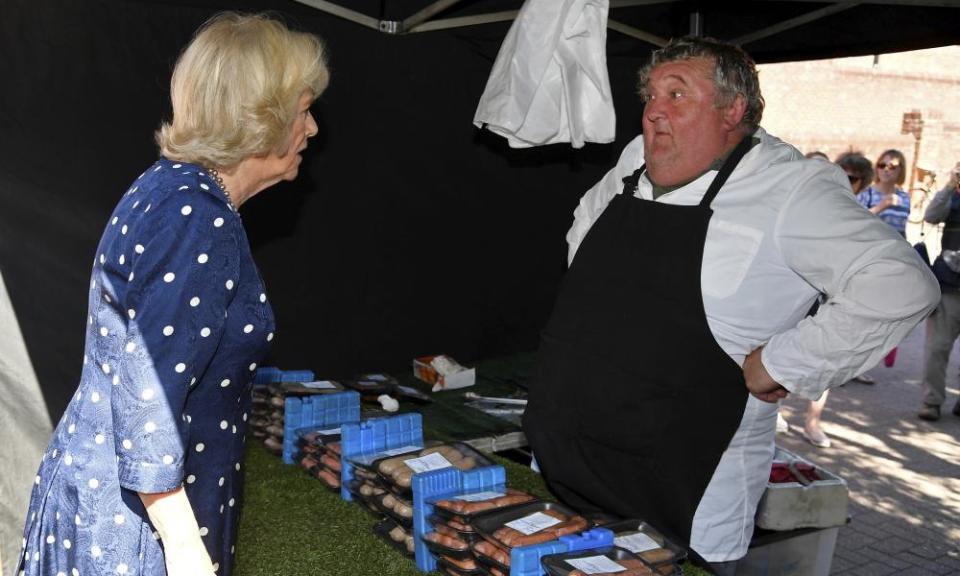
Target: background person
{"x":943,"y":326}
{"x":178,"y":319}
{"x":683,"y":317}
{"x":885,"y":197}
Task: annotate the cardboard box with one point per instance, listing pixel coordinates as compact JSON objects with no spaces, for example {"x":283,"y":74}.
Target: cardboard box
{"x":424,"y":371}
{"x":790,"y":505}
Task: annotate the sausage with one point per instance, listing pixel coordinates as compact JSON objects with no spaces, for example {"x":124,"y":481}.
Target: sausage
{"x":657,"y":555}
{"x":330,"y":462}
{"x":329,"y":478}
{"x":308,"y":462}
{"x":466,"y":463}
{"x":403,"y":509}
{"x":403,"y":477}
{"x":446,"y":541}
{"x":398,"y":534}
{"x":334,"y":447}
{"x":464,"y":564}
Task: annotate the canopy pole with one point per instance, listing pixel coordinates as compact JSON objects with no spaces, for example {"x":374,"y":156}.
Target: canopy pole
{"x":793,"y":23}
{"x":425,"y":14}
{"x":342,"y":12}
{"x":696,"y":24}
{"x":637,"y":33}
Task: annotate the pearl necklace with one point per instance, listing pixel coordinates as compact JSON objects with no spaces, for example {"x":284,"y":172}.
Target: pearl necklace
{"x":219,"y":180}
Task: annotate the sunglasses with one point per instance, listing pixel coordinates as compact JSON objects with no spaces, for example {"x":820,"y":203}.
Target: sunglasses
{"x":888,"y":165}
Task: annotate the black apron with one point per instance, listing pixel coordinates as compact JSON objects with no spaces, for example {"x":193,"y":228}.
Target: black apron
{"x":633,"y":401}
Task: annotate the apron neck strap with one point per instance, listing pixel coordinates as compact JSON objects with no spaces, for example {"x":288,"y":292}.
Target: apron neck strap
{"x":728,"y":165}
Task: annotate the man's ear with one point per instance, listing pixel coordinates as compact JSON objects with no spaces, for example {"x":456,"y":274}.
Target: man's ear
{"x":733,"y":114}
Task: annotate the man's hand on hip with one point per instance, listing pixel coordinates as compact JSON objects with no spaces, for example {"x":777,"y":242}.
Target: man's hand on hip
{"x":759,"y":382}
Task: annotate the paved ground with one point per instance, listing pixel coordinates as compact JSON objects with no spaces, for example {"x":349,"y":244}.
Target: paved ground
{"x":903,"y":473}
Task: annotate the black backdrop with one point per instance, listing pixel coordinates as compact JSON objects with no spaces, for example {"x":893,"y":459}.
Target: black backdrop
{"x":408,"y":232}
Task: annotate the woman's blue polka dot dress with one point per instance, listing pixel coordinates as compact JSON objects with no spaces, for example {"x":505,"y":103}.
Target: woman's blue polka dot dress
{"x":178,"y":318}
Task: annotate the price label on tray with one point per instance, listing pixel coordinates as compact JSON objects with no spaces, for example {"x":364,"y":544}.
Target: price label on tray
{"x":596,"y":565}
{"x":636,"y":543}
{"x":320,"y":385}
{"x":480,"y":496}
{"x":427,"y":463}
{"x":401,"y":450}
{"x":533,"y":523}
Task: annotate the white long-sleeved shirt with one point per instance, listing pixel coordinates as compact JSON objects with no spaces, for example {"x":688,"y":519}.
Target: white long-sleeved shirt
{"x":784,"y":229}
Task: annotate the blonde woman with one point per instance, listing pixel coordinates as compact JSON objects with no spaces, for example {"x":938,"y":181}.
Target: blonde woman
{"x":143,"y":473}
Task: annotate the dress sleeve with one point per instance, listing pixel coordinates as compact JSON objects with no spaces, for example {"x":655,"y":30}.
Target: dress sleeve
{"x":182,"y":283}
{"x":877,"y":288}
{"x":864,"y":199}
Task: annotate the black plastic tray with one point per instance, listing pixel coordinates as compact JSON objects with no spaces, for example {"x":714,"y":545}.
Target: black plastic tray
{"x":373,"y":384}
{"x":377,"y":501}
{"x":468,"y":518}
{"x":451,"y":568}
{"x":487,"y":561}
{"x":487,"y":524}
{"x":470,"y":537}
{"x":465,"y":449}
{"x":557,"y":565}
{"x":441,"y":550}
{"x":624,"y":527}
{"x":383,"y":528}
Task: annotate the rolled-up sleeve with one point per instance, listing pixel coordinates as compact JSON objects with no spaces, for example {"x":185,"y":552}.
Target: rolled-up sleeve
{"x":877,"y":289}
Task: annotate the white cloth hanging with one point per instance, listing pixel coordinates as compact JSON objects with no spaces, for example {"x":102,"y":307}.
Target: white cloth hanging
{"x":549,"y":83}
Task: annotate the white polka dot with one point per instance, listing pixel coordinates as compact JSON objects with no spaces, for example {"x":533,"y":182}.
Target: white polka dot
{"x":95,"y":397}
{"x":180,"y":367}
{"x":200,"y":447}
{"x":116,"y":379}
{"x":204,"y":531}
{"x":225,"y":382}
{"x":127,"y":444}
{"x":99,"y":439}
{"x":93,"y":284}
{"x":204,"y":186}
{"x":244,"y":416}
{"x":253,"y":367}
{"x":147,"y":209}
{"x":54,"y":455}
{"x":106,"y":368}
{"x":176,"y":165}
{"x":130,"y":277}
{"x":147,"y":394}
{"x":123,"y":230}
{"x":119,"y":519}
{"x":104,"y":331}
{"x":221,"y":481}
{"x":202,"y":258}
{"x":131,"y":313}
{"x":189,"y":418}
{"x":229,"y":284}
{"x":263,"y":297}
{"x":194,"y":302}
{"x":221,"y":508}
{"x":237,"y":466}
{"x":37,"y":480}
{"x":168,"y":277}
{"x":218,"y":222}
{"x":167,"y":330}
{"x":76,"y":519}
{"x":186,"y":210}
{"x":193,"y":380}
{"x":234,"y":428}
{"x":121,"y":568}
{"x":224,"y":424}
{"x":122,"y":259}
{"x":248,"y":329}
{"x":71,"y":428}
{"x":103,"y":258}
{"x":130,"y":347}
{"x":269,"y":336}
{"x":107,"y":298}
{"x":51,"y":539}
{"x":137,"y":203}
{"x":138,"y":248}
{"x":68,"y":460}
{"x":167,"y":459}
{"x":75,"y":572}
{"x":85,"y":360}
{"x":191,"y":479}
{"x":93,"y":483}
{"x":114,"y":221}
{"x":61,"y":574}
{"x":67,"y":544}
{"x":149,"y":427}
{"x":204,"y":331}
{"x":36,"y":556}
{"x":216,"y":566}
{"x":231,"y":502}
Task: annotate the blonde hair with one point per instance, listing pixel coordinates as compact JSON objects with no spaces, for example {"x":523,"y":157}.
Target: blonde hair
{"x":236,"y":88}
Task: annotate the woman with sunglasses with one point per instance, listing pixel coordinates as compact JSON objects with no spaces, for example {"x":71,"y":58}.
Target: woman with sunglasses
{"x":885,"y":197}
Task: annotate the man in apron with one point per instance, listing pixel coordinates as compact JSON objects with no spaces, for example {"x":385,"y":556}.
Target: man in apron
{"x":681,"y":321}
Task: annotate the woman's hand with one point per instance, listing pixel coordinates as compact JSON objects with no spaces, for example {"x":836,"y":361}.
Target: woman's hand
{"x":173,"y":518}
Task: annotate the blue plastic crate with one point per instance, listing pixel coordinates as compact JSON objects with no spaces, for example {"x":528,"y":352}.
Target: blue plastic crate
{"x":320,"y":410}
{"x":376,"y":435}
{"x":448,"y":481}
{"x":271,"y":374}
{"x":525,"y":560}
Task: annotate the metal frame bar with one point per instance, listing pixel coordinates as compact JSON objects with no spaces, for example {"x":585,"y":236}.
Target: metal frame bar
{"x":346,"y":13}
{"x":637,"y":33}
{"x":460,"y":22}
{"x":425,"y":13}
{"x":794,"y":22}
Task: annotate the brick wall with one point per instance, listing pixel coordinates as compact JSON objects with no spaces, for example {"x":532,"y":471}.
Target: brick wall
{"x":858,"y":103}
